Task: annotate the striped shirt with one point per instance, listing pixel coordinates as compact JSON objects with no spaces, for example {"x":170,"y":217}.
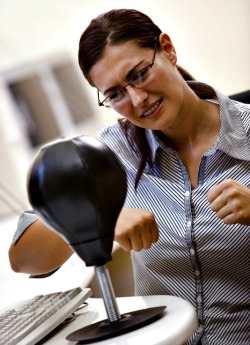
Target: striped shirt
{"x":197,"y":256}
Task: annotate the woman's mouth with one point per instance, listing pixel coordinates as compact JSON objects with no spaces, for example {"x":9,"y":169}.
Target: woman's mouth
{"x":152,"y":110}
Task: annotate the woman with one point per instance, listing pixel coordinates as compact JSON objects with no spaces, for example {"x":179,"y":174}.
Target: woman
{"x":185,"y":148}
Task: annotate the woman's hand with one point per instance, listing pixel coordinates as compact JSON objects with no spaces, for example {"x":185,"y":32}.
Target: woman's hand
{"x":231,"y":202}
{"x":136,"y":229}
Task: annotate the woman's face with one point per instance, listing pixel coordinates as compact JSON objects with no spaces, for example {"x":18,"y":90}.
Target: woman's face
{"x":157,"y":102}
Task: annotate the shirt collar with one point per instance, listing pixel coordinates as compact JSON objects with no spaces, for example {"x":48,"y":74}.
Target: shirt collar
{"x":232,"y":138}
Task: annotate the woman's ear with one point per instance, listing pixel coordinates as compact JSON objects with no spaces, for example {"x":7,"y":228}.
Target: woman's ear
{"x":168,"y":47}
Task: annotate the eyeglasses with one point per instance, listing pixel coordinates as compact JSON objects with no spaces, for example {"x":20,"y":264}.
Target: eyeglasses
{"x":137,"y":80}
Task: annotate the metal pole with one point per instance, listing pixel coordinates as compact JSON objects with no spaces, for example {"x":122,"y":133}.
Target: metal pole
{"x":107,"y":292}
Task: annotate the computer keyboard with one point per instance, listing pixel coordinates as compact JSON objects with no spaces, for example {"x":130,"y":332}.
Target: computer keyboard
{"x":29,"y":321}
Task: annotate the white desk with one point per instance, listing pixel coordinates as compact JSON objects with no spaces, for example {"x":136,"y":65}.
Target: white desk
{"x":174,"y":328}
{"x":17,"y":286}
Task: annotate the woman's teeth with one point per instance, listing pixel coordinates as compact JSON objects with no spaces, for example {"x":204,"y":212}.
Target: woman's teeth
{"x":149,"y":112}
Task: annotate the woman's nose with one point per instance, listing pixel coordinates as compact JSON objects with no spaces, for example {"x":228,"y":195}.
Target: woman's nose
{"x":137,"y":95}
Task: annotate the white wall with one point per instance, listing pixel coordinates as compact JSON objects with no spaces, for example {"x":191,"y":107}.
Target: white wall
{"x":212,"y":39}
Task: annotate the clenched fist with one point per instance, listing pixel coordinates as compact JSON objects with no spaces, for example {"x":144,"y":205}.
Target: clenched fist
{"x":136,"y":229}
{"x":231,"y":202}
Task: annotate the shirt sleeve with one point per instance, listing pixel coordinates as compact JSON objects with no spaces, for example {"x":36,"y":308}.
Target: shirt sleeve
{"x":25,"y":220}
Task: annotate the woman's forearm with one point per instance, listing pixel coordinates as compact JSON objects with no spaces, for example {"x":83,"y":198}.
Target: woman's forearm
{"x":38,"y":251}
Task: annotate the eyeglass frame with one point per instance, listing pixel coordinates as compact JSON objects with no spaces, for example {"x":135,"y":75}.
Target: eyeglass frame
{"x":123,"y":89}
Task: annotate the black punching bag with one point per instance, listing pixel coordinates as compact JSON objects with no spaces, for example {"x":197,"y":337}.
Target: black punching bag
{"x":77,"y":187}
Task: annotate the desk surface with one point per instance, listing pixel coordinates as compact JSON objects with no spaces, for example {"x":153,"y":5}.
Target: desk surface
{"x":174,"y":328}
{"x":15,"y":287}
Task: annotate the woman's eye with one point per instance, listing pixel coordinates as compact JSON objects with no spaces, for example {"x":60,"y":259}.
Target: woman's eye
{"x":140,"y":76}
{"x":116,"y":96}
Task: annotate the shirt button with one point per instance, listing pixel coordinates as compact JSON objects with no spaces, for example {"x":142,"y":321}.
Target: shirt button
{"x":197,"y":273}
{"x":189,"y":224}
{"x":192,"y":252}
{"x":199,"y":299}
{"x":187,"y":193}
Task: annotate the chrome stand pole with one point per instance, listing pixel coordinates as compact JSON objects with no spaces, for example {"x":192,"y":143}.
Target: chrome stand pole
{"x":106,"y":288}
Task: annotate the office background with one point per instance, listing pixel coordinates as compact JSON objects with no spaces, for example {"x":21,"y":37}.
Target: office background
{"x":38,"y":65}
{"x":44,"y":96}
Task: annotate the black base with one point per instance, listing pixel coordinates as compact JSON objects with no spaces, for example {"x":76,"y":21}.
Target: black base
{"x":104,"y":329}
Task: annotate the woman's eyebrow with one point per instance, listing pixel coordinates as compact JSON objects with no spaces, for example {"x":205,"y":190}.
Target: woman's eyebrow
{"x":112,"y":88}
{"x":132,"y":71}
{"x":129,"y":75}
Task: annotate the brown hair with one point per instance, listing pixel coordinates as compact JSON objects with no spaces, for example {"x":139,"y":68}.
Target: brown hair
{"x":116,"y":27}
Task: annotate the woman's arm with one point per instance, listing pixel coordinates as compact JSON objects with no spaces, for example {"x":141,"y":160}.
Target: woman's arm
{"x":38,"y":251}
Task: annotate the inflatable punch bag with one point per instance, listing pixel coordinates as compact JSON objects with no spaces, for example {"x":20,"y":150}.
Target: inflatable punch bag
{"x":77,"y":186}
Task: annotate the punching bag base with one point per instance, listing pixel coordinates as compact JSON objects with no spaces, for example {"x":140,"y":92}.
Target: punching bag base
{"x":128,"y":322}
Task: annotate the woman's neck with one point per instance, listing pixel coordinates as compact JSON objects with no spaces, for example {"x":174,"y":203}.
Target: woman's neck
{"x":197,"y":126}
